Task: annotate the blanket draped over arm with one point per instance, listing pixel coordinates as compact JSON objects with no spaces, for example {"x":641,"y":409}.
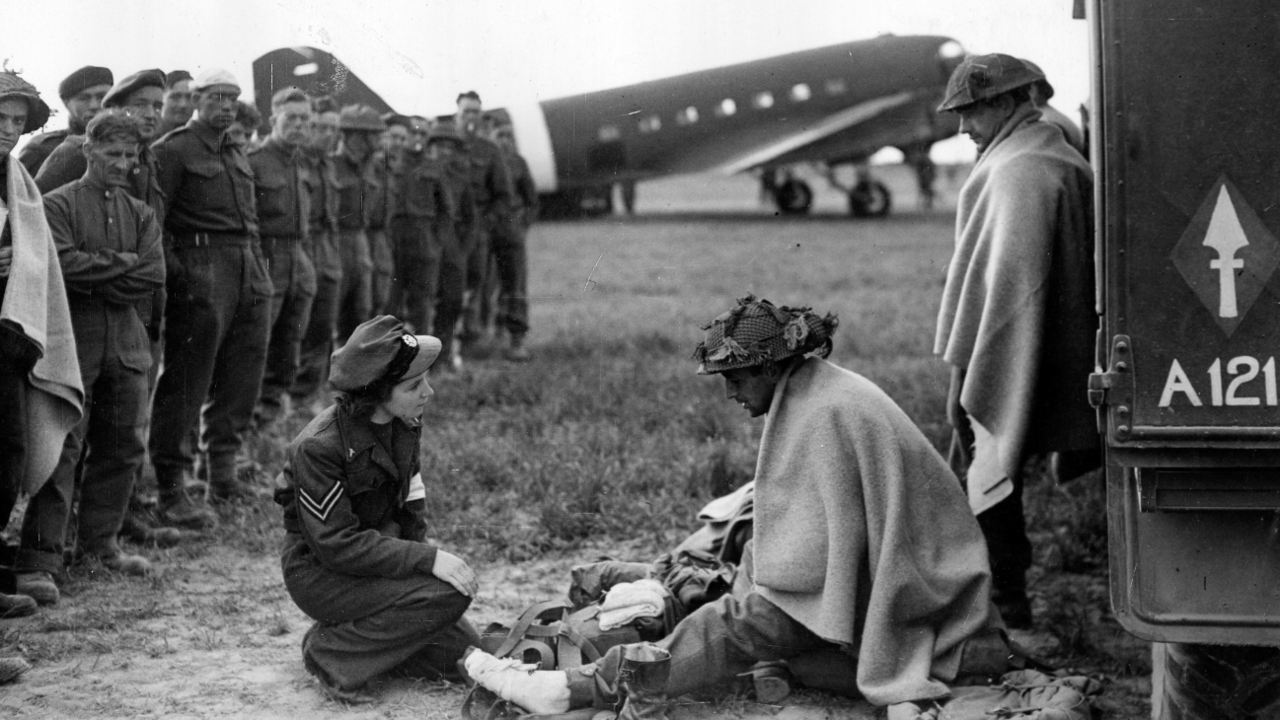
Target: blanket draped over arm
{"x":36,"y":301}
{"x":862,"y":534}
{"x":1017,"y":312}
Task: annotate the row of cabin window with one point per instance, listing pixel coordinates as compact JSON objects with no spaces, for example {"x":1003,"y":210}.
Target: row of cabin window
{"x":760,"y":101}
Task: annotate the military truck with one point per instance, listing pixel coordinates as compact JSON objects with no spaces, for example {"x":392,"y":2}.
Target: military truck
{"x":1186,"y":148}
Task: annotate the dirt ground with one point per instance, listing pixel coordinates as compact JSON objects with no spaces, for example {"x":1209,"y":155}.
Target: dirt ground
{"x":215,"y":636}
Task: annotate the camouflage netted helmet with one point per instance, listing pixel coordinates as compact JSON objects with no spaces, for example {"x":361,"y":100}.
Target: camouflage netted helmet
{"x":982,"y":77}
{"x":13,"y":86}
{"x":757,"y":331}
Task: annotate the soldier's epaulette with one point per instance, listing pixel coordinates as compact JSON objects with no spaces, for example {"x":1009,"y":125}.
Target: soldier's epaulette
{"x":180,"y":130}
{"x":53,"y":136}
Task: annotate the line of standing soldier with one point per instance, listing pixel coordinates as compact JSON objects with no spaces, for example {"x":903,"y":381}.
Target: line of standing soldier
{"x":241,"y":267}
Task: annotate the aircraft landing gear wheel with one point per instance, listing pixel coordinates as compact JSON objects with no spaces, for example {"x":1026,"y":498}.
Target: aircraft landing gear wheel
{"x":794,"y":197}
{"x":870,"y":200}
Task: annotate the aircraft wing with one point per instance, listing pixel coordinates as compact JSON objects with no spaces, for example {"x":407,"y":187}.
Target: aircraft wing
{"x":782,"y":149}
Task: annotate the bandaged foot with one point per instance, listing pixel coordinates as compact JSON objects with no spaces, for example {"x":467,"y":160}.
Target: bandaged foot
{"x":542,"y":692}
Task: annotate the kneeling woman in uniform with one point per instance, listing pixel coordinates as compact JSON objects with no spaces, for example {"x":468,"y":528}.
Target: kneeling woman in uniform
{"x":354,"y":556}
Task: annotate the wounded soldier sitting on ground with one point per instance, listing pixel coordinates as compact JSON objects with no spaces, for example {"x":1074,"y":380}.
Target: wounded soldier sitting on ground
{"x":864,"y":545}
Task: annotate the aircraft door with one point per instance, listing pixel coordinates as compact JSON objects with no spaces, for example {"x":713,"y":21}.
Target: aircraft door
{"x":1188,"y":160}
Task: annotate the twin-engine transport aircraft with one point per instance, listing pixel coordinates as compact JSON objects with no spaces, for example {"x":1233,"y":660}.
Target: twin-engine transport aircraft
{"x":829,"y":107}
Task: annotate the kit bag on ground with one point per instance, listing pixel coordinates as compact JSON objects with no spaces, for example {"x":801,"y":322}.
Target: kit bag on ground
{"x":555,"y":636}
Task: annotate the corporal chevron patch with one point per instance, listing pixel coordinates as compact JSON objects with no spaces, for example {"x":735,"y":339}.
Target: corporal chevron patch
{"x":325,"y":506}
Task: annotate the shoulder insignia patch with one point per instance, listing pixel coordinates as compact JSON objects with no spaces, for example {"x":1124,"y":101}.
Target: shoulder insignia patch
{"x":322,"y":508}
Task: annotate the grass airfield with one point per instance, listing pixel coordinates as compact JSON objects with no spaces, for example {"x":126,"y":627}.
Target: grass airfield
{"x":606,"y":444}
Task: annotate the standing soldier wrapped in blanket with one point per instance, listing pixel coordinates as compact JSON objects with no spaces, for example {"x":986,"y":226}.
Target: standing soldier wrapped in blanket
{"x":1017,"y":320}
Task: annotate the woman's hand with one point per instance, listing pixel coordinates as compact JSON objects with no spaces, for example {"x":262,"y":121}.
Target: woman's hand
{"x":455,"y":571}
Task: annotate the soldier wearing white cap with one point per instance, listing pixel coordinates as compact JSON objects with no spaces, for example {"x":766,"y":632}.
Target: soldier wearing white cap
{"x":218,"y":313}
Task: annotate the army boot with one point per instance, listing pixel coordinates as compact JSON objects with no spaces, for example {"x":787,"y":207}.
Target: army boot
{"x":228,"y":484}
{"x":111,"y":557}
{"x":516,"y":351}
{"x":643,"y":680}
{"x":176,"y":508}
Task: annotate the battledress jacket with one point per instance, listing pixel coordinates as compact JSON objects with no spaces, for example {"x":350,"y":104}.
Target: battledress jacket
{"x":354,"y":539}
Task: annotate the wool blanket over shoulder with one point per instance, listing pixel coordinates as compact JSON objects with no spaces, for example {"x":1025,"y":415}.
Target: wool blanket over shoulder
{"x":862,"y":534}
{"x":1017,"y":312}
{"x":35,"y":300}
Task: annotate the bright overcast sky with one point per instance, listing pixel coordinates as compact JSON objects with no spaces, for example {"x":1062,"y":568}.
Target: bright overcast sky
{"x":418,"y":55}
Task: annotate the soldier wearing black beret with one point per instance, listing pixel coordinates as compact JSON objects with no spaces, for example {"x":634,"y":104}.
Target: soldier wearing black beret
{"x":81,"y":92}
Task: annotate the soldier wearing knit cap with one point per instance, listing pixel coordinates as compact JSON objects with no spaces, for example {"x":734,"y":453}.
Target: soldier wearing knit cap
{"x":218,"y":314}
{"x":81,"y":92}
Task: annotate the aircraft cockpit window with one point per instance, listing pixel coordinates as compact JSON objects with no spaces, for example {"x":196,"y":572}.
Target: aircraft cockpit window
{"x":762,"y":100}
{"x":800,"y":93}
{"x":836,"y":86}
{"x":726,"y":108}
{"x":649,"y":124}
{"x":687,"y":116}
{"x":609,"y":133}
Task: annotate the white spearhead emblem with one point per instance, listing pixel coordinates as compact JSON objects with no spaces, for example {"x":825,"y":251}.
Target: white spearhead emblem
{"x":1226,"y":236}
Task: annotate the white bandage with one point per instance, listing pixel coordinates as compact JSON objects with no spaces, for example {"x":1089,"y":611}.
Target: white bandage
{"x":417,"y":491}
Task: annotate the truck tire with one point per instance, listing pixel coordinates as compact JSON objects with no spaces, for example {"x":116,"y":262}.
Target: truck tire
{"x":1214,"y":682}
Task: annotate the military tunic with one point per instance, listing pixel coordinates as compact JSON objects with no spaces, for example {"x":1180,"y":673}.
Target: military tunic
{"x":379,"y":197}
{"x":112,"y":262}
{"x":38,"y":149}
{"x":511,"y":259}
{"x":494,"y":199}
{"x":317,"y":340}
{"x":354,"y":557}
{"x":67,"y":163}
{"x":452,"y":231}
{"x":218,"y":312}
{"x":355,"y":300}
{"x":422,"y":202}
{"x":284,"y":213}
